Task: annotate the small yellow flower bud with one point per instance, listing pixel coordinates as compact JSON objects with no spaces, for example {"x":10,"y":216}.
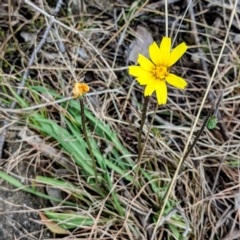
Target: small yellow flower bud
{"x":79,"y":89}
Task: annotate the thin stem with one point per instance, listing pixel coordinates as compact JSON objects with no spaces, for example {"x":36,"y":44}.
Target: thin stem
{"x":140,"y":150}
{"x":180,"y":24}
{"x":87,"y":139}
{"x":166,"y":18}
{"x":145,"y":143}
{"x":144,"y":114}
{"x":217,"y":103}
{"x":210,"y":113}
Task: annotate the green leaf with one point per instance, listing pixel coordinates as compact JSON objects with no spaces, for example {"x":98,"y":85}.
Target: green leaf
{"x":72,"y":220}
{"x":19,"y":185}
{"x":212,"y":122}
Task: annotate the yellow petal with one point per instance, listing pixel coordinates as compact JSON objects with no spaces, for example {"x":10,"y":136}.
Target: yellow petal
{"x":145,"y":79}
{"x":79,"y":89}
{"x":165,"y":48}
{"x":176,"y":53}
{"x":176,"y":81}
{"x":145,"y":63}
{"x":161,"y":92}
{"x":154,"y":53}
{"x":137,"y":71}
{"x":150,"y":88}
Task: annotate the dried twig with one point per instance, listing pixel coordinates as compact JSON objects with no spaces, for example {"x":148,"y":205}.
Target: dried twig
{"x":51,"y":103}
{"x":223,"y":128}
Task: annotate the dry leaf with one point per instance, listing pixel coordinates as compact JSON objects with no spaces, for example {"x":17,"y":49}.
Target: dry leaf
{"x":54,"y":192}
{"x":140,"y":45}
{"x":28,"y":37}
{"x":237,"y":39}
{"x":53,"y":227}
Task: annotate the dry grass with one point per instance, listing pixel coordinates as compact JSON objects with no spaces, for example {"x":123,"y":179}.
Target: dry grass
{"x":96,"y":51}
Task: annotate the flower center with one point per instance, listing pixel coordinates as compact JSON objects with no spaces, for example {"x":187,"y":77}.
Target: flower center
{"x":160,"y":72}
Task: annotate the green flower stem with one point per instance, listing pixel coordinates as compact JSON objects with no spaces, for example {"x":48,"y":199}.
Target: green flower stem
{"x":87,"y":139}
{"x":144,"y":114}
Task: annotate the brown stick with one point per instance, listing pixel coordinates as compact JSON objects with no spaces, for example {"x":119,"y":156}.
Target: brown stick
{"x":211,"y":97}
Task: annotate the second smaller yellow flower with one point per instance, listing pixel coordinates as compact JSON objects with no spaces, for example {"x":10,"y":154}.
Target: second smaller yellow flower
{"x":79,"y":89}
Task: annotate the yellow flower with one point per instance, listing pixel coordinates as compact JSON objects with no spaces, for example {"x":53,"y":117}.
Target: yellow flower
{"x":155,"y":73}
{"x":79,"y":89}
